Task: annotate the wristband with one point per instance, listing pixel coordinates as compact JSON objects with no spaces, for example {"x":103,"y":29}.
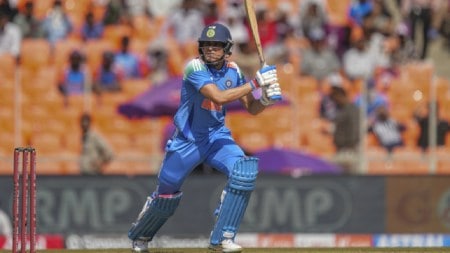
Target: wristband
{"x":254,"y":84}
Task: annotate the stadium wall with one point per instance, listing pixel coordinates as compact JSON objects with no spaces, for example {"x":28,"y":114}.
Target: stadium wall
{"x":78,"y":206}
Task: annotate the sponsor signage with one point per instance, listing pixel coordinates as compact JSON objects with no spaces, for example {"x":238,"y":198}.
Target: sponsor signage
{"x":411,"y":240}
{"x":42,"y":242}
{"x":80,"y":205}
{"x":418,"y":204}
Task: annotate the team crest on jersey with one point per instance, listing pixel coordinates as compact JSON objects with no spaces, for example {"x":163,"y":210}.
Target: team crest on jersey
{"x":210,"y":33}
{"x":228,"y":83}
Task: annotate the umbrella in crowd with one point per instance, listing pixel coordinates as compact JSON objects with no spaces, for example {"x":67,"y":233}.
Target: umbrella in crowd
{"x":284,"y":161}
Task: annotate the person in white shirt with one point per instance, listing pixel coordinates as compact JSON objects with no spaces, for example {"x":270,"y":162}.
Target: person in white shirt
{"x":10,"y":36}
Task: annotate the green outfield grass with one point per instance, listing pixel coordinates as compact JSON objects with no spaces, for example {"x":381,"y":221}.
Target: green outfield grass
{"x":266,"y":250}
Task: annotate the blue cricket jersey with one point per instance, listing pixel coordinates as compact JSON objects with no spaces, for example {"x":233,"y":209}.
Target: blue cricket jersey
{"x":197,"y":116}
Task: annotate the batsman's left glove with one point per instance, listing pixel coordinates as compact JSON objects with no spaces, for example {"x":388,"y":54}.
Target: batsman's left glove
{"x":270,"y":94}
{"x":264,"y":77}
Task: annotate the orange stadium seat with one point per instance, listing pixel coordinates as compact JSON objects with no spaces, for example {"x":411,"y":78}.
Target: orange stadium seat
{"x":114,"y":33}
{"x":41,"y":7}
{"x":6,"y":167}
{"x":253,"y":141}
{"x":144,"y":28}
{"x":119,"y":141}
{"x":8,"y":69}
{"x":337,"y":11}
{"x":62,"y":50}
{"x":134,"y":87}
{"x":133,"y":162}
{"x":47,"y":143}
{"x":139,"y":46}
{"x":7,"y":89}
{"x":94,"y":49}
{"x":40,"y":84}
{"x":7,"y":142}
{"x":79,"y":7}
{"x":443,"y":159}
{"x":147,"y":142}
{"x":35,"y":53}
{"x":319,"y":144}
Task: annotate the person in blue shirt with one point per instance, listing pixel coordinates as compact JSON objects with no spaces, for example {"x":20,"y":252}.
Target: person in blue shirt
{"x":91,"y":30}
{"x":210,"y":82}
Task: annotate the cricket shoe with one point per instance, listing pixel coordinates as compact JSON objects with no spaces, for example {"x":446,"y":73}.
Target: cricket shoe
{"x":139,"y":246}
{"x":227,"y":245}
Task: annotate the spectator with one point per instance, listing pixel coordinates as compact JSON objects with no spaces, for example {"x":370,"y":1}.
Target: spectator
{"x":387,"y":130}
{"x":444,"y":28}
{"x":10,"y":36}
{"x":248,"y":59}
{"x":10,"y":8}
{"x":359,"y":62}
{"x":75,"y":79}
{"x":278,"y":51}
{"x":422,"y":116}
{"x":126,"y":61}
{"x":107,"y":78}
{"x":319,"y":60}
{"x":267,"y":26}
{"x":405,"y":51}
{"x":313,"y":16}
{"x":358,"y":9}
{"x":116,"y":12}
{"x":346,"y":130}
{"x":376,"y":42}
{"x":158,"y":63}
{"x":238,"y":30}
{"x":381,"y":19}
{"x":56,"y":25}
{"x":185,"y":23}
{"x":327,"y":107}
{"x":211,"y":13}
{"x":162,"y":8}
{"x":95,"y":153}
{"x":29,"y":25}
{"x":421,"y":12}
{"x":91,"y":29}
{"x":374,"y":100}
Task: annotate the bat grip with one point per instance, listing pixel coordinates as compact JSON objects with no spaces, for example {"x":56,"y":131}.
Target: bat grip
{"x":273,"y":98}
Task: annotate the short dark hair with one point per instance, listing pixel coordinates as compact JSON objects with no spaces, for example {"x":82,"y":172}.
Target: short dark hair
{"x":338,"y":90}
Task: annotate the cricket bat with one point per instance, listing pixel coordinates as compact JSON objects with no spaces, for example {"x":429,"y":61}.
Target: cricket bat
{"x":253,"y":23}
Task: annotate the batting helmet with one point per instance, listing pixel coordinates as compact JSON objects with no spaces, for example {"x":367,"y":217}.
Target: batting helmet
{"x":216,"y":33}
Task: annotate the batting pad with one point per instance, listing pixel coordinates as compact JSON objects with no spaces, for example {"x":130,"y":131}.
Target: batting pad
{"x":161,"y":208}
{"x":240,"y":186}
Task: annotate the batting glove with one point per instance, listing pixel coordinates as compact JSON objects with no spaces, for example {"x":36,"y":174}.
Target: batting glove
{"x":270,"y":94}
{"x":267,"y":75}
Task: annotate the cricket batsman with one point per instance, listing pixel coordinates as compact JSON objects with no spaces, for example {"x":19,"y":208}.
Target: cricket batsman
{"x":210,"y":82}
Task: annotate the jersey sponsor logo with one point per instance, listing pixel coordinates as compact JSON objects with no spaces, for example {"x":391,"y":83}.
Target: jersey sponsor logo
{"x":210,"y":105}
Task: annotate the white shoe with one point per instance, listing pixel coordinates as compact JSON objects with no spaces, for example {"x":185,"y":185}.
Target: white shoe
{"x":227,"y":245}
{"x":140,"y":246}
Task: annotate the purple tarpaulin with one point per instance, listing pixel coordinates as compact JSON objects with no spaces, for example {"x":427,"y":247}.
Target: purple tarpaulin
{"x":163,"y":100}
{"x":160,"y":100}
{"x":283,"y":161}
